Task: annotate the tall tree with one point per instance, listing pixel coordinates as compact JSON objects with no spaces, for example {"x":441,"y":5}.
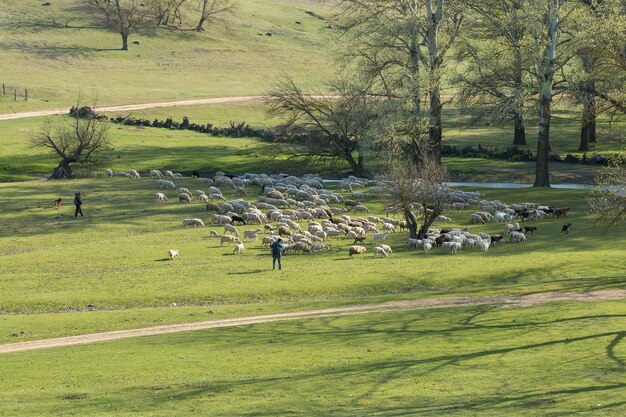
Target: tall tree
{"x":78,"y":140}
{"x":494,"y":77}
{"x":608,"y":204}
{"x":122,"y":16}
{"x":546,"y":21}
{"x":212,"y":11}
{"x":327,"y":126}
{"x":401,"y":46}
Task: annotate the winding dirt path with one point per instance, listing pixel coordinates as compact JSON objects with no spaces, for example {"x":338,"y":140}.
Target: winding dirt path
{"x":215,"y":100}
{"x":500,"y":300}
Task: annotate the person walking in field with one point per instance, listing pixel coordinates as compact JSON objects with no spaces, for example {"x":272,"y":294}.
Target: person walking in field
{"x":78,"y":202}
{"x":277,"y":253}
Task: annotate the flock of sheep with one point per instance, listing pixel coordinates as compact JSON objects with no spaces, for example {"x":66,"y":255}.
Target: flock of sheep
{"x":307,"y":216}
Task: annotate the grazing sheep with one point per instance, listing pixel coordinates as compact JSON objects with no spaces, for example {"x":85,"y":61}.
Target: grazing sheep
{"x":483,"y":245}
{"x":220,"y":219}
{"x":496,"y":239}
{"x":166,"y":184}
{"x":238,"y":248}
{"x":387,"y":249}
{"x":284,"y":231}
{"x":184,"y":198}
{"x":380,"y":252}
{"x":390,"y":227}
{"x":360,"y":208}
{"x":566,"y":228}
{"x":252,"y":234}
{"x":427,"y":247}
{"x":517,"y":237}
{"x":443,"y":219}
{"x":231,"y":228}
{"x":240,"y":191}
{"x":454,"y":247}
{"x":134,"y":174}
{"x":356,"y":250}
{"x":380,"y":236}
{"x":203,"y":198}
{"x":268,"y":240}
{"x":193,"y":222}
{"x":212,"y":207}
{"x":476,"y":218}
{"x":515,"y":227}
{"x":213,"y":233}
{"x":108,"y":173}
{"x":183,"y":190}
{"x":227,"y":239}
{"x":529,"y":229}
{"x":159,"y":197}
{"x":172,"y":253}
{"x":237,"y":219}
{"x":560,"y":212}
{"x":155,"y":173}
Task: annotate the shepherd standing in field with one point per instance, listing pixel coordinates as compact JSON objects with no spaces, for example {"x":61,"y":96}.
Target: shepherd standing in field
{"x":277,"y":253}
{"x":78,"y":202}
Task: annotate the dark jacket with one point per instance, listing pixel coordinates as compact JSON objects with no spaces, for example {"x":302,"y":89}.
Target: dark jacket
{"x":78,"y":201}
{"x":277,"y":249}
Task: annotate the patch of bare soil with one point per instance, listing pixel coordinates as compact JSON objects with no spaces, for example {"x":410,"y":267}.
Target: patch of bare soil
{"x":524,"y":300}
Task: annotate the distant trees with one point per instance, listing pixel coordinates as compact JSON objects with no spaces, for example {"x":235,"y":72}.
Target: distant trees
{"x":331,"y":125}
{"x":78,"y":140}
{"x":122,"y":16}
{"x":495,"y":74}
{"x":212,"y":11}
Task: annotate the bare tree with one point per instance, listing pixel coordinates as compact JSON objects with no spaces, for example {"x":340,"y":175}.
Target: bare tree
{"x":413,"y":188}
{"x":168,"y":11}
{"x":330,"y":126}
{"x":609,"y":203}
{"x":213,"y":11}
{"x":78,"y":140}
{"x":122,"y":16}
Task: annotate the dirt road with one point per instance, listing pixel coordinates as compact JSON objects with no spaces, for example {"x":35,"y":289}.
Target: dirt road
{"x":500,"y":300}
{"x":216,"y":100}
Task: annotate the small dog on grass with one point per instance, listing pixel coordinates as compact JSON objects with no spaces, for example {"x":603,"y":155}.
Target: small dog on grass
{"x":566,"y":228}
{"x":56,"y":203}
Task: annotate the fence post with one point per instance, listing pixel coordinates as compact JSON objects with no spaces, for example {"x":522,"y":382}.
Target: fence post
{"x":4,"y":93}
{"x":15,"y":94}
{"x":26,"y":94}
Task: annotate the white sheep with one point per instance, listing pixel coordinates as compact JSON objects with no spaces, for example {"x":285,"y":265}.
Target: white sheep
{"x":227,"y":239}
{"x":443,"y":219}
{"x":193,"y":222}
{"x":252,"y":234}
{"x":159,"y":197}
{"x":517,"y":237}
{"x":203,"y":198}
{"x":134,"y":174}
{"x":238,"y":248}
{"x":213,"y":233}
{"x":380,"y":252}
{"x":108,"y":173}
{"x":184,"y":198}
{"x":511,"y":227}
{"x":231,"y":228}
{"x":166,"y":184}
{"x":155,"y":173}
{"x":221,"y":219}
{"x":172,"y":253}
{"x":380,"y":236}
{"x":387,"y":249}
{"x":356,"y":250}
{"x":390,"y":227}
{"x":476,"y":218}
{"x":427,"y":247}
{"x":361,"y":208}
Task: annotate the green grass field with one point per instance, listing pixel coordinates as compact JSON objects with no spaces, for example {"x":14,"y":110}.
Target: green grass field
{"x":554,"y":359}
{"x":56,"y":52}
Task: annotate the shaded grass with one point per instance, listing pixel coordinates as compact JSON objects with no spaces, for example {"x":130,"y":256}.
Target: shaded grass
{"x":554,"y":359}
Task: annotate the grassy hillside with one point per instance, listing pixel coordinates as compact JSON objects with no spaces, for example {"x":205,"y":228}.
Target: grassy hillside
{"x":56,"y":52}
{"x":553,"y":359}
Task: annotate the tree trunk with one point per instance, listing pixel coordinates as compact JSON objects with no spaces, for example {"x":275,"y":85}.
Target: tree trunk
{"x":434,"y":131}
{"x":124,"y":42}
{"x":542,"y":178}
{"x":63,"y":170}
{"x":411,"y":223}
{"x":356,"y":166}
{"x":199,"y":28}
{"x":519,"y":135}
